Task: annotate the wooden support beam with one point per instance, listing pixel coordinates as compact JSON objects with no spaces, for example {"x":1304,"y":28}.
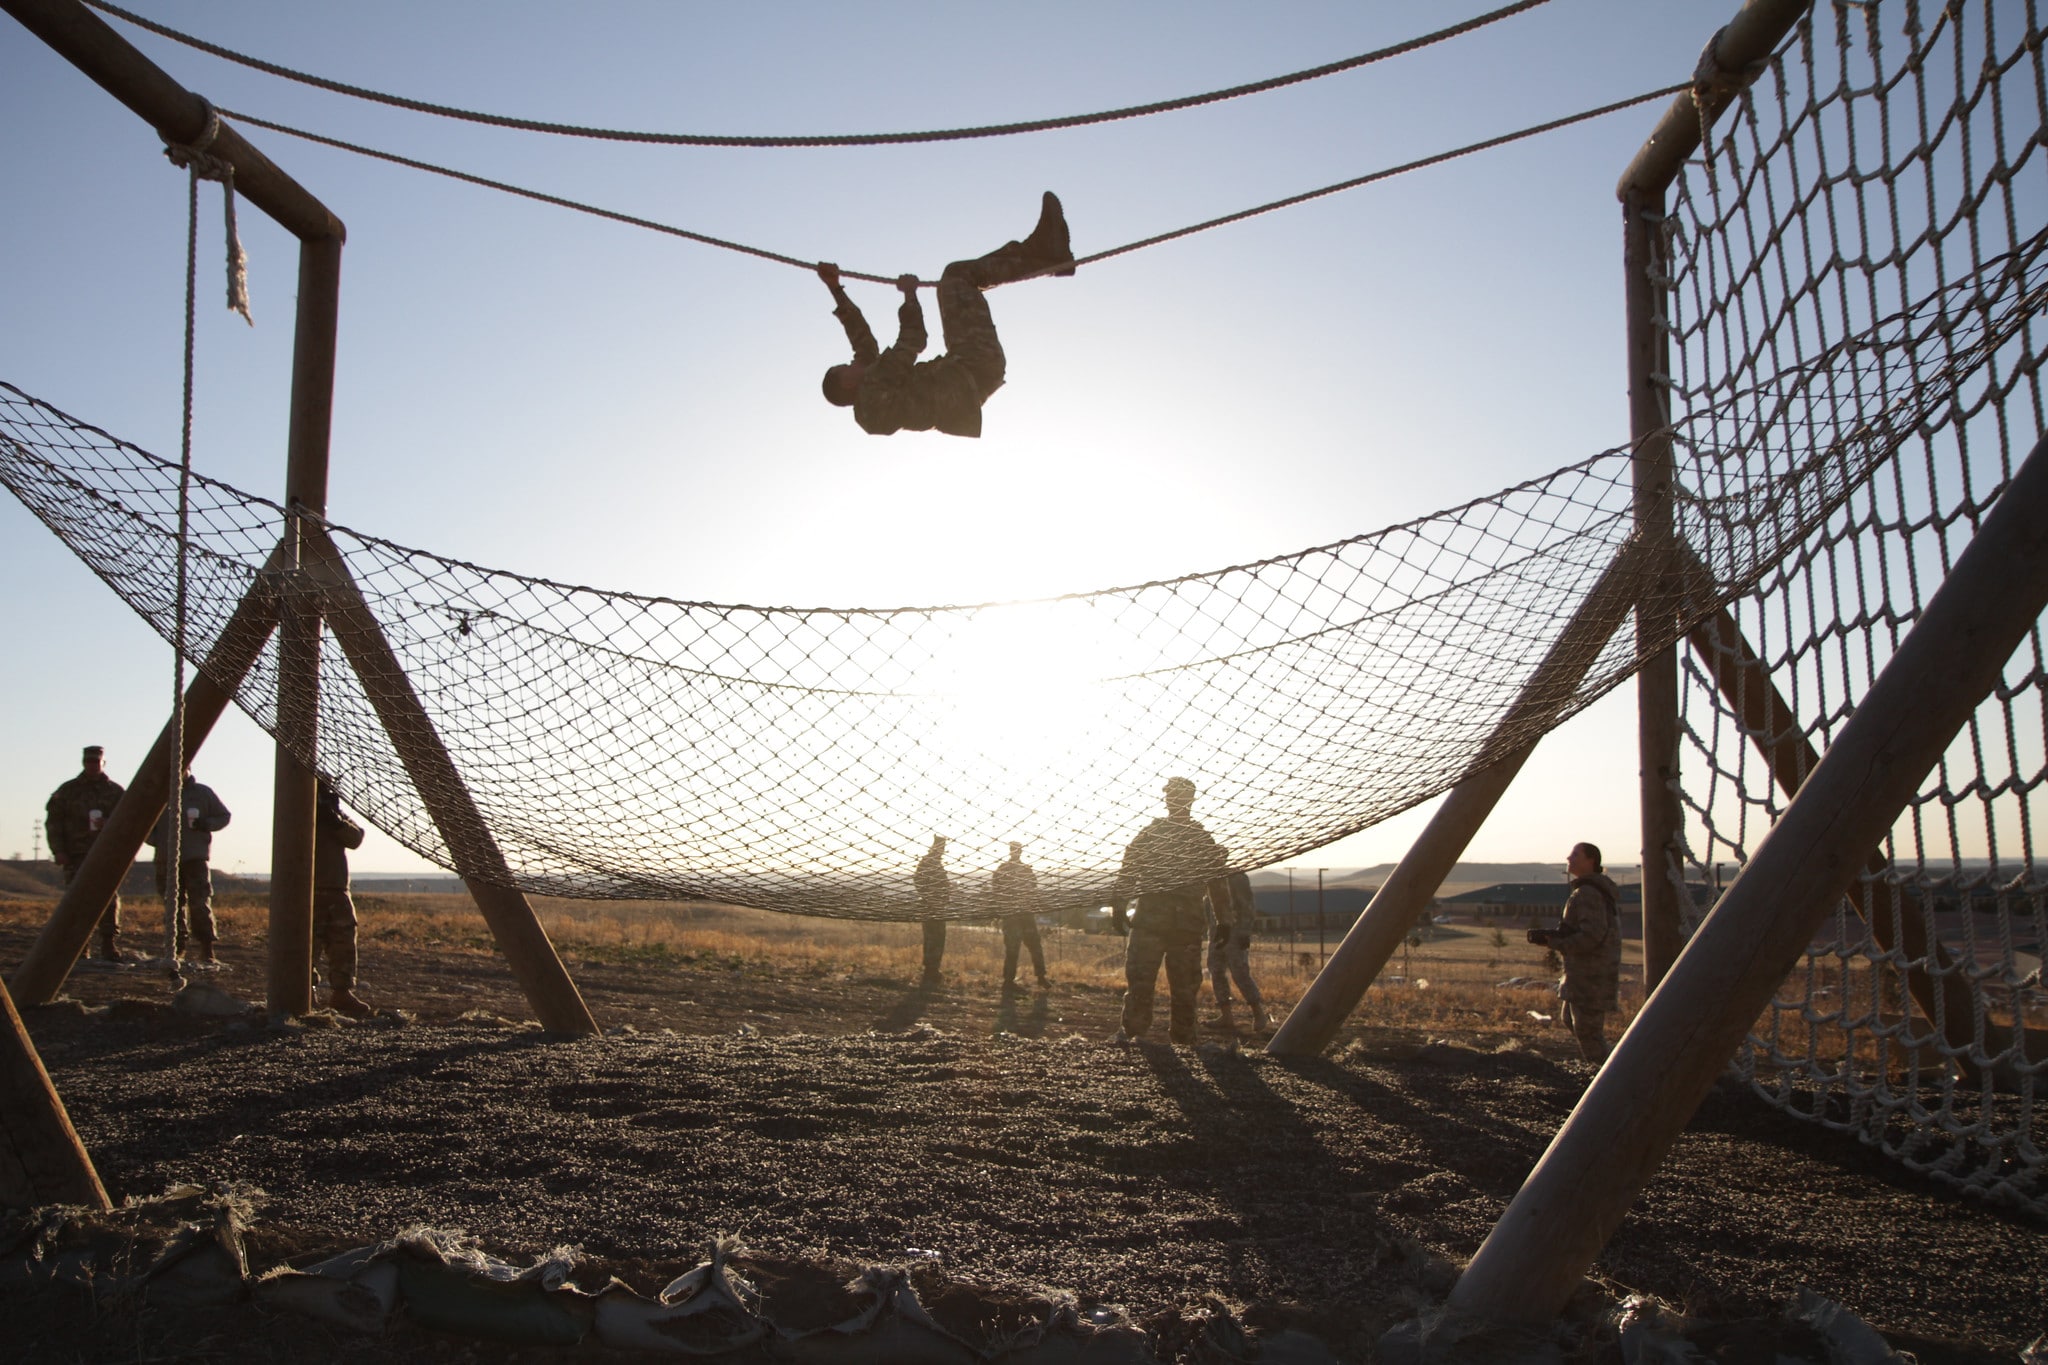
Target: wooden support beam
{"x":556,"y":1001}
{"x":290,"y":977}
{"x":85,"y":40}
{"x":1944,"y":997}
{"x":41,"y":1159}
{"x":98,"y":878}
{"x":1650,"y":467}
{"x":1679,"y":1044}
{"x":1402,"y":898}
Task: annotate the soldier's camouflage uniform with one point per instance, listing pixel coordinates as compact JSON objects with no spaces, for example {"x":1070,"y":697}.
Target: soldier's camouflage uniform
{"x":901,"y":393}
{"x":73,"y":818}
{"x":200,"y":813}
{"x":934,"y":889}
{"x":1169,"y":866}
{"x":334,"y":910}
{"x":1013,"y":890}
{"x":1230,"y":941}
{"x":1589,"y":940}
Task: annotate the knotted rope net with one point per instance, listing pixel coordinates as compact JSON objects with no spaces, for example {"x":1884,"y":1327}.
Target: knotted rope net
{"x":1889,"y":152}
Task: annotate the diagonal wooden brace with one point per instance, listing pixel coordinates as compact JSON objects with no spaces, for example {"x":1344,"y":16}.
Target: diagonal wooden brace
{"x":41,"y":1159}
{"x":556,"y":1001}
{"x":1744,"y":680}
{"x":98,"y":878}
{"x":1401,"y":900}
{"x":1680,"y":1043}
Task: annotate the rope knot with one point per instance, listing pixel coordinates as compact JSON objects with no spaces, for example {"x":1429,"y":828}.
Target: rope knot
{"x":196,"y":158}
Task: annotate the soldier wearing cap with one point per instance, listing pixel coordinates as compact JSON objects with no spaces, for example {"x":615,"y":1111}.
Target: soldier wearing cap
{"x":1013,"y":890}
{"x":934,"y":889}
{"x":334,"y":910}
{"x":1589,"y":941}
{"x":198,"y":814}
{"x":1169,"y":867}
{"x":74,"y":817}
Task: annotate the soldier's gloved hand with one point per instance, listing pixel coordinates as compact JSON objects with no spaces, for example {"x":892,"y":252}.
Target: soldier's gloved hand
{"x":829,"y":273}
{"x":908,"y":284}
{"x":1540,"y":937}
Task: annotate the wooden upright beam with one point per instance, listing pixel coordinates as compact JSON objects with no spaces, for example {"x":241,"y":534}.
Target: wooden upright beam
{"x":290,"y":985}
{"x":50,"y":958}
{"x":41,"y":1159}
{"x":1532,"y":1261}
{"x":1400,"y":901}
{"x":556,"y":1001}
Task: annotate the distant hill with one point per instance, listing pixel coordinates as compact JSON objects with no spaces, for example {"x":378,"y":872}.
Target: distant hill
{"x":23,"y":879}
{"x":1474,"y":874}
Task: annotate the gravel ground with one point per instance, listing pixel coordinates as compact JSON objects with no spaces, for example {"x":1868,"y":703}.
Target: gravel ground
{"x":992,"y":1144}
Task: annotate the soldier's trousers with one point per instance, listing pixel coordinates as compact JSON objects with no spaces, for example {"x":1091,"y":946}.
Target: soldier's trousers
{"x":195,"y":899}
{"x":110,"y":918}
{"x":1021,"y":931}
{"x":1230,"y":956}
{"x":1144,"y":951}
{"x":1589,"y":1027}
{"x":334,"y":933}
{"x":965,"y":321}
{"x":934,"y":947}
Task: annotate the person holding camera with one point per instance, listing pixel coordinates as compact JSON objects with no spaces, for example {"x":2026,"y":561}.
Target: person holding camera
{"x":188,"y":824}
{"x":1230,"y":943}
{"x":1588,"y":938}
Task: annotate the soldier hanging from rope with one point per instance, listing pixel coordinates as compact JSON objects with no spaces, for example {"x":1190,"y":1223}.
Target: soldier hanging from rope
{"x":892,"y":390}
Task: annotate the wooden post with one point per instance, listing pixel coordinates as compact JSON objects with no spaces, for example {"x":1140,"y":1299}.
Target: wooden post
{"x":556,"y":1001}
{"x":1682,"y":1039}
{"x":50,"y":958}
{"x":1392,"y":912}
{"x":290,"y":985}
{"x":1657,"y":735}
{"x":1724,"y":69}
{"x":41,"y":1159}
{"x":182,"y":117}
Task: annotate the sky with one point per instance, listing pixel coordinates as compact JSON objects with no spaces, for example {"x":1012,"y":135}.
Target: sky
{"x":531,"y":389}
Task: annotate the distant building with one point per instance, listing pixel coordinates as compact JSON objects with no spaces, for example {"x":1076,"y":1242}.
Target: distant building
{"x":1278,"y":911}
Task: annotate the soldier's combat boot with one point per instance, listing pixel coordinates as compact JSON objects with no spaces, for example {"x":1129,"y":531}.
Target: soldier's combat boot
{"x":342,"y":1000}
{"x":1049,"y":242}
{"x":1260,"y":1020}
{"x":204,"y":956}
{"x":1226,"y":1015}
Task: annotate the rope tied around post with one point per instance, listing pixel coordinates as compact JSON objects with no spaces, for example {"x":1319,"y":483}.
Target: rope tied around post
{"x":196,"y":158}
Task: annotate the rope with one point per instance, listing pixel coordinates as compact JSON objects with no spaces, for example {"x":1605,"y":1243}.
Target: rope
{"x":198,"y":159}
{"x":822,"y":139}
{"x":171,"y":855}
{"x":652,"y":226}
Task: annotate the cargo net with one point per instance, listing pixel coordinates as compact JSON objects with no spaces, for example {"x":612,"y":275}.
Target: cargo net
{"x":603,"y":744}
{"x":1889,"y":152}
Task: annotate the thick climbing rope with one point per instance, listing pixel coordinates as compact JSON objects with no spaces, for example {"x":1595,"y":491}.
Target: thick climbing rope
{"x":821,"y":139}
{"x":762,"y":253}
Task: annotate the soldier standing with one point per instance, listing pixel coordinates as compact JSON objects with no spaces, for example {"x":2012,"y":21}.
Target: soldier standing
{"x":891,"y":391}
{"x":1589,"y":941}
{"x":199,"y":813}
{"x":933,"y":891}
{"x":1013,"y":888}
{"x":1230,"y":942}
{"x":334,"y":910}
{"x":73,"y":818}
{"x":1168,"y":866}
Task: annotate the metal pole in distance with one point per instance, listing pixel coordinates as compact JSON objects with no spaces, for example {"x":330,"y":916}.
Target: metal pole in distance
{"x":290,"y":986}
{"x":1378,"y":933}
{"x":98,"y":878}
{"x":1532,"y":1261}
{"x":556,"y":1002}
{"x":41,"y":1159}
{"x":1657,"y":736}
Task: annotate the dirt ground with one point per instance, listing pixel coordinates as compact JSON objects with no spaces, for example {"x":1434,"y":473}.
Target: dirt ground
{"x":832,"y":1120}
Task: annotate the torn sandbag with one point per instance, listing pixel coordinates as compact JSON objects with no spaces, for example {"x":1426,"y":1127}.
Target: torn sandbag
{"x":356,"y":1289}
{"x":891,"y":1328}
{"x":1070,"y":1336}
{"x":708,"y":1311}
{"x":449,"y":1285}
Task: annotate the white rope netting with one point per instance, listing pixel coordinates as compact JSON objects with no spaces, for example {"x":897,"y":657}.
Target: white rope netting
{"x":1891,"y":153}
